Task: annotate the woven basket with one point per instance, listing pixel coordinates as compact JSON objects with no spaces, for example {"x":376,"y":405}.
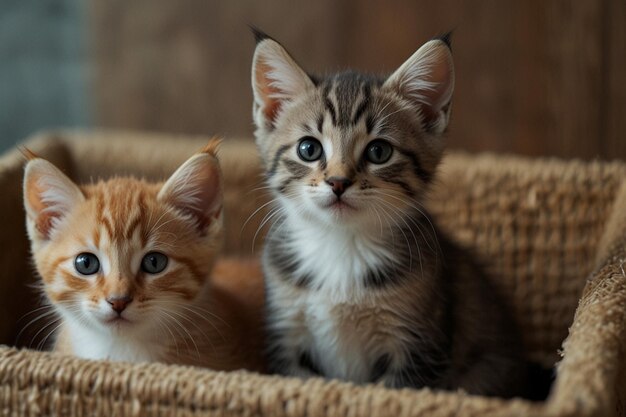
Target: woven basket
{"x":551,"y":231}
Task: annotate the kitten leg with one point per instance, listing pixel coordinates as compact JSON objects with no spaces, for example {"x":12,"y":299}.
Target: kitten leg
{"x":493,"y":375}
{"x":416,"y":370}
{"x":289,"y":353}
{"x":292,"y":361}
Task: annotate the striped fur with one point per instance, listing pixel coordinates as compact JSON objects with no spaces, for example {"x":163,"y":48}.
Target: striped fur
{"x":362,"y":286}
{"x":175,"y":315}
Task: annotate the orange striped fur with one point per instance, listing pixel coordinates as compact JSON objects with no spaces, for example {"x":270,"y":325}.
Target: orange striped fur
{"x":176,"y":315}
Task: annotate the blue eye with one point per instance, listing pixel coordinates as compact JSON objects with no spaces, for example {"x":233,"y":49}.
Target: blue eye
{"x":154,"y":262}
{"x":378,"y":151}
{"x":310,"y":149}
{"x":87,"y":263}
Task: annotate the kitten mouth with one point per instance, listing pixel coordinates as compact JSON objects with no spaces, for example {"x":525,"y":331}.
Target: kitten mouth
{"x":117,"y":321}
{"x":340,"y":206}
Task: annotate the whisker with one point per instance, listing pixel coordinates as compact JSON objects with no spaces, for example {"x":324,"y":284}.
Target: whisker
{"x":207,"y":338}
{"x":179,"y":324}
{"x":255,"y":212}
{"x":34,"y":311}
{"x":36,"y":319}
{"x":399,"y":214}
{"x":432,"y":227}
{"x":156,"y":223}
{"x":382,"y":121}
{"x":164,"y":323}
{"x":380,"y":222}
{"x":159,"y":225}
{"x":408,"y":245}
{"x":32,"y":340}
{"x":268,"y":217}
{"x":191,"y":307}
{"x":42,"y":344}
{"x":261,"y":188}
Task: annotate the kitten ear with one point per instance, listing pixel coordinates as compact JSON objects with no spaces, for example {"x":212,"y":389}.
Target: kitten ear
{"x":427,"y":80}
{"x":276,"y":78}
{"x":196,"y":187}
{"x":49,"y":195}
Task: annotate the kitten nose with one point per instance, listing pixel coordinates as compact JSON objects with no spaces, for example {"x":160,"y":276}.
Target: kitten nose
{"x":119,"y":303}
{"x":339,"y":184}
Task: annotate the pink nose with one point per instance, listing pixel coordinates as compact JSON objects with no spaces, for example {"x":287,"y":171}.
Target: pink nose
{"x":119,"y":303}
{"x":339,"y":184}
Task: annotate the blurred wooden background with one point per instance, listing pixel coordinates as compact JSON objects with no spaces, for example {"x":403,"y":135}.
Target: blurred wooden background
{"x":533,"y":77}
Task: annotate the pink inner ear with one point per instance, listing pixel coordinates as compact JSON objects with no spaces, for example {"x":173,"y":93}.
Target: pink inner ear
{"x":196,"y":190}
{"x":44,"y":222}
{"x":44,"y":218}
{"x":440,"y":80}
{"x":210,"y":199}
{"x":49,"y":195}
{"x":271,"y":105}
{"x":438,"y":96}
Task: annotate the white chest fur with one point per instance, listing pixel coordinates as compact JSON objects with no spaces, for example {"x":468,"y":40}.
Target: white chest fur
{"x":336,"y":258}
{"x":344,"y":326}
{"x":126,"y":347}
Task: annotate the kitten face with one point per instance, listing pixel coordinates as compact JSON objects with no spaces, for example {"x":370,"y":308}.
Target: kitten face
{"x":351,"y":147}
{"x":124,"y":255}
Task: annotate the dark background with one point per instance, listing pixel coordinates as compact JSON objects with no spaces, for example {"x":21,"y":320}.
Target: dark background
{"x":533,"y":77}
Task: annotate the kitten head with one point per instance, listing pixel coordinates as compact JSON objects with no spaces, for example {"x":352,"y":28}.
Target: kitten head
{"x":124,"y":255}
{"x":351,"y":146}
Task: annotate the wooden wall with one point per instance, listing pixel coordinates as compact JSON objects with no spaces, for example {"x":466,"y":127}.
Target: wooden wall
{"x":533,"y":77}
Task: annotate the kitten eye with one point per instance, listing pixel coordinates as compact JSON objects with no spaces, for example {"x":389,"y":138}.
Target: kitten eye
{"x":378,"y":151}
{"x":309,"y":149}
{"x":87,"y":263}
{"x":153,"y":263}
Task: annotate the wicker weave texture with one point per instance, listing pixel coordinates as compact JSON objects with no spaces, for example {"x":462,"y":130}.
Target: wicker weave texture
{"x":550,"y":230}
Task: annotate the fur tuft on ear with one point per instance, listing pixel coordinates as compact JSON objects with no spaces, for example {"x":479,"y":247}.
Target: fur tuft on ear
{"x":27,"y":153}
{"x":196,"y":187}
{"x":49,"y":195}
{"x":446,"y":38}
{"x":276,"y":78}
{"x":259,"y":35}
{"x":212,"y":147}
{"x":426,"y":79}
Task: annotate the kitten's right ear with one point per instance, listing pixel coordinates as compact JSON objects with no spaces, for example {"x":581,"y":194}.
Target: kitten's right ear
{"x":195,"y":188}
{"x":276,"y":79}
{"x":49,"y":195}
{"x":426,"y":80}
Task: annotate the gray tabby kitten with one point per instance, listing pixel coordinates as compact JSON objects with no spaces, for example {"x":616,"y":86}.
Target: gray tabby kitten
{"x":360,"y":285}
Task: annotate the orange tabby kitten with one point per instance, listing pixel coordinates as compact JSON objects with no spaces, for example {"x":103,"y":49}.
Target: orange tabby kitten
{"x":126,"y":265}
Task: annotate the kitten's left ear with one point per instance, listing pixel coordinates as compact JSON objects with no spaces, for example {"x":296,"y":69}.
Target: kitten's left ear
{"x":49,"y":196}
{"x":276,"y":79}
{"x":427,"y":80}
{"x":196,"y":187}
